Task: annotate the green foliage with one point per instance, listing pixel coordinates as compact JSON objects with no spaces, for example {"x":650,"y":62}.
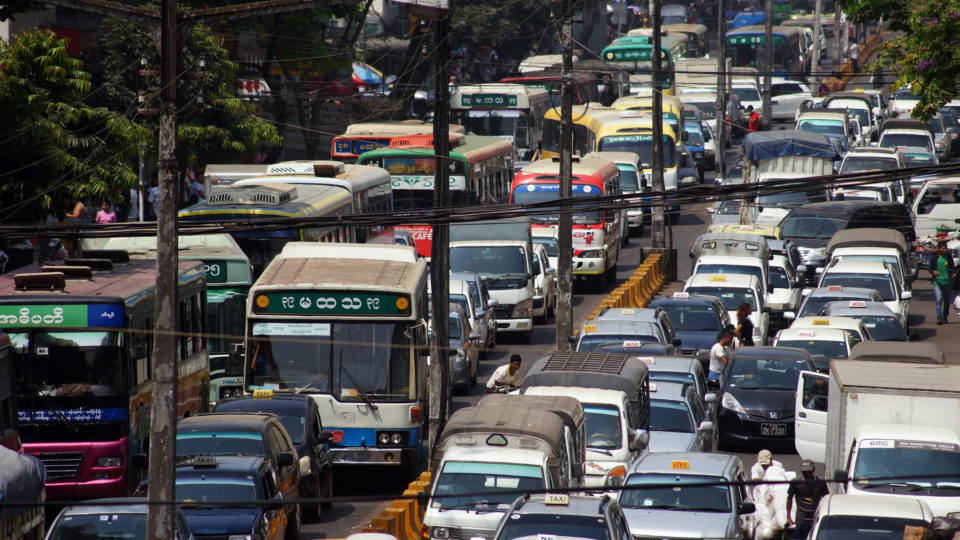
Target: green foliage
{"x":56,"y":148}
{"x":514,"y":27}
{"x":10,"y":8}
{"x":926,"y":56}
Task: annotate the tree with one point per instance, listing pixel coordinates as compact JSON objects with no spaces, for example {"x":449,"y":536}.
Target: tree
{"x":926,"y":56}
{"x":214,"y":124}
{"x":56,"y":148}
{"x":513,"y":26}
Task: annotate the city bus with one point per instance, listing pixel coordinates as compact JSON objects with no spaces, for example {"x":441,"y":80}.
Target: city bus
{"x":9,"y":437}
{"x":584,"y":85}
{"x":216,"y":175}
{"x":369,"y":187}
{"x":513,"y":112}
{"x":671,"y":108}
{"x":248,"y":204}
{"x":582,"y":118}
{"x":365,"y":136}
{"x":694,"y":35}
{"x":82,"y":359}
{"x":346,"y":325}
{"x":745,"y":49}
{"x":632,"y":131}
{"x":597,"y":229}
{"x":480,"y":173}
{"x":633,"y":53}
{"x":228,"y":275}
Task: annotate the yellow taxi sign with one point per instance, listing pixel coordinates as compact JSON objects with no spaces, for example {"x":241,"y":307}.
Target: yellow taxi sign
{"x":821,"y":322}
{"x":556,"y":498}
{"x":265,"y":393}
{"x":680,"y":464}
{"x":718,"y":278}
{"x":590,"y":328}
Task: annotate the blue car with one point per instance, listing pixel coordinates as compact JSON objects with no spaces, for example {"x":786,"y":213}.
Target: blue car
{"x":697,"y":318}
{"x":749,"y":17}
{"x":695,"y":144}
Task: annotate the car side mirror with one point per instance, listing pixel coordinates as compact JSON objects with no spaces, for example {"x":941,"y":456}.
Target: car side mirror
{"x":641,"y":439}
{"x":493,"y":302}
{"x":818,"y":270}
{"x":747,"y":507}
{"x":802,"y":269}
{"x":536,"y":268}
{"x":906,"y":295}
{"x":710,"y":397}
{"x":789,"y":315}
{"x":711,"y":210}
{"x":474,"y":336}
{"x":551,"y":271}
{"x":706,"y":425}
{"x":676,"y":342}
{"x":840,"y":476}
{"x":285,"y":459}
{"x":422,"y":498}
{"x":688,"y":180}
{"x":571,"y":339}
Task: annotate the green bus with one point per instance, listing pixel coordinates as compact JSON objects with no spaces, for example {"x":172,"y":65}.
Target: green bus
{"x":633,"y":53}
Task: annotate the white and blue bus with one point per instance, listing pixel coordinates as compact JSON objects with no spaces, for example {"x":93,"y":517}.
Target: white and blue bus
{"x":346,"y":323}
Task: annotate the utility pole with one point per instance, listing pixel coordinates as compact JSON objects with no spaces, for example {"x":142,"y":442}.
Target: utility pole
{"x":817,"y":14}
{"x":163,"y":400}
{"x":439,"y":261}
{"x":658,"y":237}
{"x":838,"y":54}
{"x":564,"y":312}
{"x":720,"y":137}
{"x":767,"y":62}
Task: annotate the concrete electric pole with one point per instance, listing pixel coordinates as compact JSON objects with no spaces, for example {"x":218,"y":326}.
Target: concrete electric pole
{"x":564,"y":312}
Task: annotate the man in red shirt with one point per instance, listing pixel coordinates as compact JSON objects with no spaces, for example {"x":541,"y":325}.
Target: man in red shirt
{"x":754,"y":124}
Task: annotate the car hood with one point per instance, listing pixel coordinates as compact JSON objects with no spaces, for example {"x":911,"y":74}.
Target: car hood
{"x":812,"y":243}
{"x":696,"y":339}
{"x":763,"y":401}
{"x":677,"y":524}
{"x":221,"y":521}
{"x":668,"y":441}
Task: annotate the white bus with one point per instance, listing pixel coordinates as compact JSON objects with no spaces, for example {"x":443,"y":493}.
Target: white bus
{"x":510,"y":111}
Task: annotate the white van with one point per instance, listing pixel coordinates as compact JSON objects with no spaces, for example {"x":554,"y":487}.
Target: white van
{"x":869,"y":516}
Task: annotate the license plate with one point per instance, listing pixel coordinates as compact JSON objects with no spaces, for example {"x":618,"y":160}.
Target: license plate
{"x":773,"y":430}
{"x":337,"y":436}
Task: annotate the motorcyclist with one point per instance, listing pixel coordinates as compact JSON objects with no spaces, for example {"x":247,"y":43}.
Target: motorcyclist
{"x":506,"y":376}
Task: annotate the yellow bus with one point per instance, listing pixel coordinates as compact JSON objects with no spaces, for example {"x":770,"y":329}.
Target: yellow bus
{"x":633,"y":53}
{"x":583,"y":116}
{"x":672,"y":108}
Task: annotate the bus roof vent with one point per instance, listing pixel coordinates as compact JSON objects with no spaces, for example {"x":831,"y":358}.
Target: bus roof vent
{"x":113,"y":255}
{"x":70,"y":272}
{"x":326,"y":167}
{"x":269,"y":195}
{"x":98,"y":265}
{"x":43,"y":281}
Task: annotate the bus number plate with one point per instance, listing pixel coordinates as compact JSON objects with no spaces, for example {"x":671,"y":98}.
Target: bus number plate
{"x":337,"y":436}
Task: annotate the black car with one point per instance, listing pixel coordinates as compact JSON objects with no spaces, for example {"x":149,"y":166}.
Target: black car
{"x":246,"y":434}
{"x":812,"y":225}
{"x":300,"y":416}
{"x":237,"y":483}
{"x":758,"y":388}
{"x":698,"y":319}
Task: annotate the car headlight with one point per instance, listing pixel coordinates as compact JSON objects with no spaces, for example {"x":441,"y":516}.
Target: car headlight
{"x":731,"y":403}
{"x":591,"y":254}
{"x":440,"y":532}
{"x":698,"y":154}
{"x":112,"y":461}
{"x":240,"y":537}
{"x":522,"y":309}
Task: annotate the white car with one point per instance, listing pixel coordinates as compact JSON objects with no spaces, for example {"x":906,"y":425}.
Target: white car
{"x":902,"y":103}
{"x":936,"y":204}
{"x":787,"y":286}
{"x":733,"y":290}
{"x":823,"y":344}
{"x":545,"y":285}
{"x":878,"y":276}
{"x":748,"y":94}
{"x":855,"y":327}
{"x":785,"y":98}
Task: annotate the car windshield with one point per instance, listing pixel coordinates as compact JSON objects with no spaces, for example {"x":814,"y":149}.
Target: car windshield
{"x":709,"y":268}
{"x":893,"y":140}
{"x":933,"y":465}
{"x":670,"y":416}
{"x":591,"y":342}
{"x":220,"y":443}
{"x":550,"y":244}
{"x":196,"y":491}
{"x":108,"y":525}
{"x":753,"y":374}
{"x":778,"y":278}
{"x":918,"y":159}
{"x":878,"y":282}
{"x":708,"y":494}
{"x":546,"y":192}
{"x":489,"y":260}
{"x":628,"y":179}
{"x":746,"y":93}
{"x":293,"y":418}
{"x":814,"y":302}
{"x":694,"y":137}
{"x":602,"y":426}
{"x":642,"y":145}
{"x":554,"y":527}
{"x":863,"y":164}
{"x":824,"y":127}
{"x":474,"y":484}
{"x":789,"y":200}
{"x":731,"y":298}
{"x":884,"y":328}
{"x":840,"y":527}
{"x":819,"y":350}
{"x":453,"y":326}
{"x":810,"y":226}
{"x":692,"y":317}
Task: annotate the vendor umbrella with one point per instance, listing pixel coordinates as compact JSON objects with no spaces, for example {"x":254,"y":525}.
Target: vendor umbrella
{"x":366,"y":75}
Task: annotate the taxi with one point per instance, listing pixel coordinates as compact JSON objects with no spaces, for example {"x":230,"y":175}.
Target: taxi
{"x":555,"y":515}
{"x":698,"y":319}
{"x":687,"y":495}
{"x":823,"y":344}
{"x":733,"y":290}
{"x":678,"y":419}
{"x":883,"y":324}
{"x":770,"y":232}
{"x":857,"y":329}
{"x":876,"y":275}
{"x":816,"y":298}
{"x":599,"y":333}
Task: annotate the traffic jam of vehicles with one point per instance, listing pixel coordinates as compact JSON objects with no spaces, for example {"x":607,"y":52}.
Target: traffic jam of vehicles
{"x":790,"y":380}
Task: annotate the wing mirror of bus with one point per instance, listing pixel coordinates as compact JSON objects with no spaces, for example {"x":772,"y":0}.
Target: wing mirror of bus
{"x":325,"y":437}
{"x":747,"y":507}
{"x":285,"y":459}
{"x":493,"y":302}
{"x":422,"y":498}
{"x":711,"y":210}
{"x":551,"y":271}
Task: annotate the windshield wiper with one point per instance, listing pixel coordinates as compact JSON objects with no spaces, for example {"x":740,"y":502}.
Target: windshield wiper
{"x":601,"y":449}
{"x":472,"y":506}
{"x":54,"y":409}
{"x":309,"y":384}
{"x":654,"y":507}
{"x":363,"y":395}
{"x":701,"y":509}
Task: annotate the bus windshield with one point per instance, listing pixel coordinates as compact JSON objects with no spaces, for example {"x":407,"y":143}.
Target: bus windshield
{"x":497,"y":123}
{"x":642,"y":145}
{"x":489,"y":261}
{"x":352,"y":361}
{"x":539,"y":193}
{"x":225,"y":317}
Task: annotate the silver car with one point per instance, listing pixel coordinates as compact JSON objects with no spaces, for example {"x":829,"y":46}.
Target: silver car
{"x":122,"y":517}
{"x":670,"y":509}
{"x":678,"y":419}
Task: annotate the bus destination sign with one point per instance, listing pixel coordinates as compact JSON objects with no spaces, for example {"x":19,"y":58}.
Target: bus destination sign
{"x":355,"y":147}
{"x":61,"y":316}
{"x":215,"y":271}
{"x":494,"y":101}
{"x":344,"y":303}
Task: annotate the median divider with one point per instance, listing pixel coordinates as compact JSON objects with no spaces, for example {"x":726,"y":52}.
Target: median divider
{"x":403,"y":518}
{"x":638,"y":290}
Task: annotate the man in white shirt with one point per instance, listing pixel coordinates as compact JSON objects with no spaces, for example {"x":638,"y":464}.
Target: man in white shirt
{"x":854,"y":54}
{"x":508,"y":375}
{"x":719,"y":354}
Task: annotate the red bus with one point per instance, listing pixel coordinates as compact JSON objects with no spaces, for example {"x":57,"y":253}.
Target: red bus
{"x":9,"y":437}
{"x":366,"y":136}
{"x":598,"y":229}
{"x":82,"y":357}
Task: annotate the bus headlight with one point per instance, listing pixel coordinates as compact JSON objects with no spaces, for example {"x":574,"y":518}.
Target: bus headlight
{"x":112,"y":461}
{"x":383,"y":438}
{"x":522,"y":310}
{"x":591,"y":254}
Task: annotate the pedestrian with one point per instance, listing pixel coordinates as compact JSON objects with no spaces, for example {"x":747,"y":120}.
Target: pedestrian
{"x":720,"y":354}
{"x":753,"y":125}
{"x":823,"y":89}
{"x":808,"y":491}
{"x":106,"y":215}
{"x":196,"y":193}
{"x":153,"y":197}
{"x":538,"y":153}
{"x":79,"y":211}
{"x":744,"y":330}
{"x":770,"y":496}
{"x":944,"y":272}
{"x":854,"y":54}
